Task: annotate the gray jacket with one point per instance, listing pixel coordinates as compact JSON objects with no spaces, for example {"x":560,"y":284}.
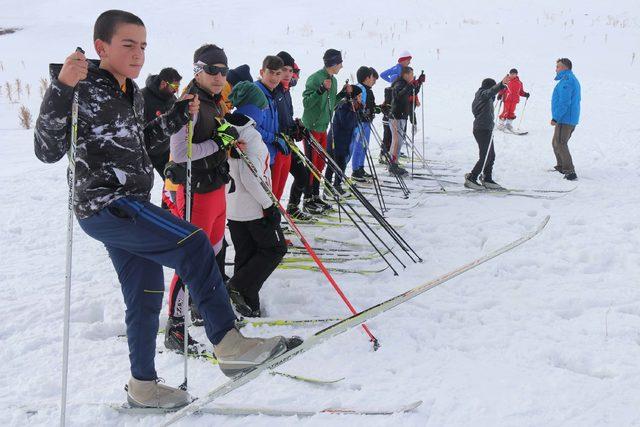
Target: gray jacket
{"x":482,"y":107}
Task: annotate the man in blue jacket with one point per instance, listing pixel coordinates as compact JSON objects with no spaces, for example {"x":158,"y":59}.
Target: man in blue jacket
{"x":565,"y":112}
{"x":270,"y":76}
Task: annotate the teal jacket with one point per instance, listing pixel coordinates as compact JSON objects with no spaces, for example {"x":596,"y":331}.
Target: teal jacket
{"x":565,"y":101}
{"x":318,"y":105}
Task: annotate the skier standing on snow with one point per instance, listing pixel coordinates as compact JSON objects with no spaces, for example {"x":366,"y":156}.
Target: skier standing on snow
{"x":565,"y":112}
{"x":319,"y":100}
{"x":254,"y":220}
{"x":343,"y":126}
{"x":114,"y":177}
{"x":210,"y":174}
{"x":483,"y":124}
{"x":367,"y":77}
{"x":510,"y":97}
{"x":269,"y":127}
{"x":390,"y":76}
{"x":402,"y":109}
{"x":291,"y":128}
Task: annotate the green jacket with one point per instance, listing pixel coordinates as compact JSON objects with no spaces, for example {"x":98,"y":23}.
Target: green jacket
{"x":317,"y":113}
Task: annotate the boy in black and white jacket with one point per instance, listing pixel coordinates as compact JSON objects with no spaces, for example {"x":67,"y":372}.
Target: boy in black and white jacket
{"x":113,"y":180}
{"x":253,"y":218}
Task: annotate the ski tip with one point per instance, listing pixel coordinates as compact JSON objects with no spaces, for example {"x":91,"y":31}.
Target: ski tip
{"x":545,"y":221}
{"x":412,"y":406}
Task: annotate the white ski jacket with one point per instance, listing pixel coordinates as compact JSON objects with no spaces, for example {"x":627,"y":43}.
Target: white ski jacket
{"x":245,"y":196}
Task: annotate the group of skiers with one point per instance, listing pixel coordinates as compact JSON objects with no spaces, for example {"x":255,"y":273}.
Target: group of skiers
{"x":226,"y":194}
{"x":227,"y":145}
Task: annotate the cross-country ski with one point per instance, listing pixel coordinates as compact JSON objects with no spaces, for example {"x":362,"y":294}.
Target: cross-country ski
{"x":231,"y":214}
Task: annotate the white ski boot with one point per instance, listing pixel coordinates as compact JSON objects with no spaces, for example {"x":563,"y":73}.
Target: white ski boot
{"x":152,"y":394}
{"x":507,"y":125}
{"x":237,"y":353}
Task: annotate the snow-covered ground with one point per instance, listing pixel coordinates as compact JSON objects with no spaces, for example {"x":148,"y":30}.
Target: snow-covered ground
{"x":548,"y":334}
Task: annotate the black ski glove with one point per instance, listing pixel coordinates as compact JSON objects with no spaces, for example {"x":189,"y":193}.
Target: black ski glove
{"x":527,"y":94}
{"x":499,"y":96}
{"x":301,"y":132}
{"x":271,"y":215}
{"x":322,"y":89}
{"x":175,"y":172}
{"x":181,"y":110}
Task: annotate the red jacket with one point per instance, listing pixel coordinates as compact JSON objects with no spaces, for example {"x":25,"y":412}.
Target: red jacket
{"x":512,"y":93}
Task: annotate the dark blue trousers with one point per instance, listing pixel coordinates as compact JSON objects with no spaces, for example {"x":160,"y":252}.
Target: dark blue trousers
{"x":140,"y":238}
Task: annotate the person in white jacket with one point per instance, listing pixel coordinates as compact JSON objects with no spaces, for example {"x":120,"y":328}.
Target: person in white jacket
{"x":253,"y":218}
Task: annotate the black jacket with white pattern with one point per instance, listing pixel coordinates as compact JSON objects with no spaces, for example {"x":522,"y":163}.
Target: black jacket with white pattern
{"x":113,"y":138}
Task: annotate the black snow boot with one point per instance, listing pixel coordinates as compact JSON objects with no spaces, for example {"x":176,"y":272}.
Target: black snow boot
{"x":174,"y":337}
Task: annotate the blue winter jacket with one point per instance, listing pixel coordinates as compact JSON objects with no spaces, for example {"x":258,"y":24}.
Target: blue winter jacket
{"x":269,"y":126}
{"x":565,"y":101}
{"x":392,"y":73}
{"x":344,"y":123}
{"x":284,"y":104}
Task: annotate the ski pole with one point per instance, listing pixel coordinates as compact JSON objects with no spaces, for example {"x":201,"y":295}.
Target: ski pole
{"x":378,"y":217}
{"x":426,"y":164}
{"x":522,"y":114}
{"x":187,"y":217}
{"x":374,"y":172}
{"x":400,"y":181}
{"x":405,"y":138}
{"x":486,"y":156}
{"x":332,"y":189}
{"x":424,"y":152}
{"x":306,"y":244}
{"x":360,"y":131}
{"x":374,"y":178}
{"x":398,"y":178}
{"x":69,"y":252}
{"x":413,"y":126}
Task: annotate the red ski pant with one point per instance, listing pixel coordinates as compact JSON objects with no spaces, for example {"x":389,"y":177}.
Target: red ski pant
{"x":316,"y":159}
{"x":209,"y":213}
{"x":279,"y":173}
{"x":509,"y":111}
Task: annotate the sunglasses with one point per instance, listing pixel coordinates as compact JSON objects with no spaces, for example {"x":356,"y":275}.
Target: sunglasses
{"x":174,"y":86}
{"x":211,"y":69}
